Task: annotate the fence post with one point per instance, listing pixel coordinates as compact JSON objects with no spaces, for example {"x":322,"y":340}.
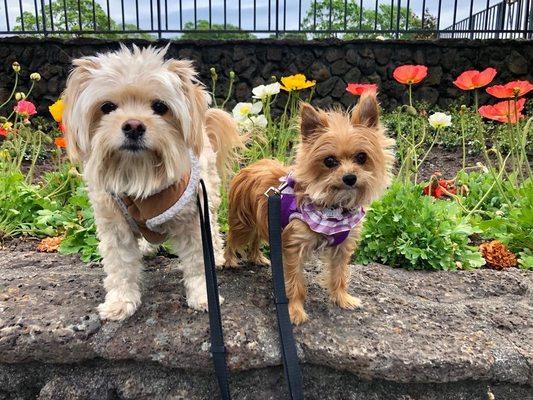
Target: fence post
{"x":159,"y":19}
{"x":500,"y":18}
{"x":43,"y":16}
{"x":529,"y":19}
{"x":277,"y":18}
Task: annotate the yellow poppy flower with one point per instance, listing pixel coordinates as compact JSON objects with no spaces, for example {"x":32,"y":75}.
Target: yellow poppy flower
{"x":296,"y":82}
{"x":56,"y":110}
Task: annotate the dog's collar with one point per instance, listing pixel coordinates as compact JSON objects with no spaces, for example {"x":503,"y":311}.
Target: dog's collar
{"x":146,"y":216}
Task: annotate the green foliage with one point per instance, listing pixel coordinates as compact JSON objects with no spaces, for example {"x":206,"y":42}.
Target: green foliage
{"x":195,"y":32}
{"x":409,"y":230}
{"x":351,"y":15}
{"x":80,"y":235}
{"x":505,"y":214}
{"x":80,"y":16}
{"x":56,"y":206}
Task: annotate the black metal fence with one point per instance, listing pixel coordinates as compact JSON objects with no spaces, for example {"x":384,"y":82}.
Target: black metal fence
{"x":269,"y":18}
{"x":507,"y":19}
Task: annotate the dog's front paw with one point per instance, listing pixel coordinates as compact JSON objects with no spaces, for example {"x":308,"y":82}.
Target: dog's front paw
{"x":346,"y":301}
{"x":118,"y":308}
{"x":197,"y":299}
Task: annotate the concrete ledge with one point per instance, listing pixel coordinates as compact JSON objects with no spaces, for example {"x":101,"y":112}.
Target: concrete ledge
{"x":427,"y":333}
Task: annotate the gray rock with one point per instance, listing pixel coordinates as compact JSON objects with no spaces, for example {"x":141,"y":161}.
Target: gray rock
{"x":319,"y":71}
{"x":517,"y":63}
{"x":438,"y":335}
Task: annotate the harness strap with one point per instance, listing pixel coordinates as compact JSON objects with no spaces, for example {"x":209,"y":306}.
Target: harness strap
{"x":218,"y":350}
{"x":291,"y":365}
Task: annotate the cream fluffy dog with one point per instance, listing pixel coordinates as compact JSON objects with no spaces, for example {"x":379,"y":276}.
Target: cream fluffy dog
{"x":138,"y":123}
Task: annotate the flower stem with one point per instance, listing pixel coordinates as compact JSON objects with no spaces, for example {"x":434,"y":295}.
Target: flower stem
{"x":463,"y":139}
{"x":230,"y":90}
{"x":12,"y":92}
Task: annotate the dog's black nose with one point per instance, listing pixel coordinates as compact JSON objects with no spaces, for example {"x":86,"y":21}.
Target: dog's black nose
{"x":133,"y":129}
{"x":349,"y":179}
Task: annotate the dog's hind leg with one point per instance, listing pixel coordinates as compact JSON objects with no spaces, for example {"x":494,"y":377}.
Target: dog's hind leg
{"x":255,"y":255}
{"x":146,"y":248}
{"x":238,"y":236}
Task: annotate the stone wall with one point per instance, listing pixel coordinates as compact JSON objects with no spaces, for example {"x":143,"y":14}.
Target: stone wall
{"x":332,"y":63}
{"x":418,"y":335}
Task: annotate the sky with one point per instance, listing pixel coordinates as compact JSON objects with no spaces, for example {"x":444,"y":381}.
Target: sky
{"x":247,"y":6}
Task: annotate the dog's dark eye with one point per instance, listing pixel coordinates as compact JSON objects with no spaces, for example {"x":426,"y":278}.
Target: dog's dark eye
{"x":360,"y":158}
{"x":159,"y":107}
{"x":108,"y":107}
{"x":331,"y":162}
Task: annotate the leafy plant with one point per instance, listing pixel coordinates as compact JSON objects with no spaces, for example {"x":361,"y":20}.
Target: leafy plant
{"x":409,"y":230}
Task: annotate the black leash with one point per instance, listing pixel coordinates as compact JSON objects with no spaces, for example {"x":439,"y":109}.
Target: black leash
{"x":218,"y":350}
{"x":291,"y":365}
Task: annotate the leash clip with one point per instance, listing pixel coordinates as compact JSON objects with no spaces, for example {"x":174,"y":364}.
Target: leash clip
{"x":271,"y":191}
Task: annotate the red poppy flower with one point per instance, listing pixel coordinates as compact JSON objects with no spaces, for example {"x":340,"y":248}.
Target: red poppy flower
{"x":357,"y":89}
{"x":439,"y":188}
{"x":25,"y":108}
{"x":504,"y":111}
{"x":60,"y":142}
{"x":510,"y":90}
{"x":3,"y":132}
{"x":473,"y":79}
{"x":62,"y":128}
{"x":410,"y":74}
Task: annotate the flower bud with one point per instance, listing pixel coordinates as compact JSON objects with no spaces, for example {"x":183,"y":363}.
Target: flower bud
{"x":47,"y":139}
{"x":273,"y":78}
{"x":232,"y":75}
{"x":20,"y":96}
{"x":411,"y":110}
{"x":73,"y":172}
{"x":16,"y":66}
{"x":35,"y":76}
{"x":213,"y":72}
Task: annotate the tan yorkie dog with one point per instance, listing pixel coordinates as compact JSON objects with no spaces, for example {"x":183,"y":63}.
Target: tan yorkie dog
{"x":342,"y":164}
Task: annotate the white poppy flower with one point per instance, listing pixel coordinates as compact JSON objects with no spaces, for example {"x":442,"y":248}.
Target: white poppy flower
{"x":262,"y":92}
{"x":243,"y":110}
{"x":440,"y":120}
{"x":253,"y":121}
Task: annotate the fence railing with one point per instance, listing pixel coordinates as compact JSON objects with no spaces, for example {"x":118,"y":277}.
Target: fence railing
{"x":409,"y":19}
{"x":508,"y":19}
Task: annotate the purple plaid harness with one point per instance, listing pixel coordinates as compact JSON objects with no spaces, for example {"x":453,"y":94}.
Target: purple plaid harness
{"x":334,"y":223}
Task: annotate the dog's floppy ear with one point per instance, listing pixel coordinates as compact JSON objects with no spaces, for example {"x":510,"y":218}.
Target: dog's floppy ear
{"x":366,"y":112}
{"x":76,"y":116}
{"x":197,"y":101}
{"x":312,"y":122}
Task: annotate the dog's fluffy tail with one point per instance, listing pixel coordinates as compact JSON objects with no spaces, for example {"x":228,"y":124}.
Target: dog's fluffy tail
{"x":224,"y":137}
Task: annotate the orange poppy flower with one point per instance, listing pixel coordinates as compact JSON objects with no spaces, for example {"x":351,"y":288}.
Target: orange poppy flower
{"x":357,"y":89}
{"x":473,"y":79}
{"x":60,"y":142}
{"x":62,"y":128}
{"x":510,"y":90}
{"x":410,"y":74}
{"x":504,"y":111}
